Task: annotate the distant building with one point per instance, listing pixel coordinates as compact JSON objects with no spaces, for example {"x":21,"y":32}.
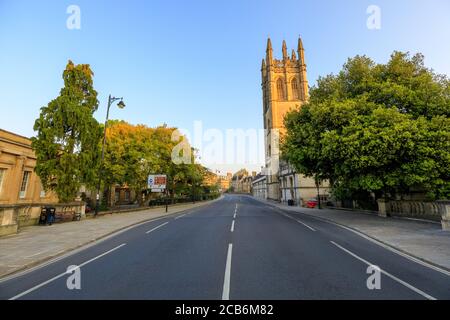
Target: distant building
{"x":242,"y":181}
{"x":259,"y":186}
{"x":225,"y":181}
{"x":210,"y":178}
{"x":285,"y":88}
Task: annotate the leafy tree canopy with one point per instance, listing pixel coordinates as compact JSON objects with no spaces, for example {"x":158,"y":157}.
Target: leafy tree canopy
{"x":135,"y":151}
{"x":381,"y":128}
{"x":66,"y":144}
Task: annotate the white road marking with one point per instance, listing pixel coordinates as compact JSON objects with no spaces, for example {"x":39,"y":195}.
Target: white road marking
{"x":178,"y":217}
{"x":64,"y":274}
{"x":387,"y":273}
{"x":301,"y":222}
{"x":234,"y":215}
{"x":381,"y":244}
{"x":377,"y":242}
{"x":232,"y":226}
{"x":163,"y":224}
{"x":311,"y":228}
{"x":227,"y":277}
{"x":405,"y":255}
{"x":94,"y":242}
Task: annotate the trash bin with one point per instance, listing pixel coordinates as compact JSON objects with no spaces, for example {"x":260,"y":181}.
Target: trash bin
{"x":51,"y":211}
{"x":290,"y":202}
{"x":43,"y":216}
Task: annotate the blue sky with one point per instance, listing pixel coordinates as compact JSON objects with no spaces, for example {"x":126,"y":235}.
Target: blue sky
{"x":179,"y":61}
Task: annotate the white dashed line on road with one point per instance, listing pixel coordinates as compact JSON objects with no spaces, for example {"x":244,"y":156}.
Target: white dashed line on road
{"x":64,"y":274}
{"x":163,"y":224}
{"x":311,"y":228}
{"x":227,"y":277}
{"x":387,"y":273}
{"x":178,"y":217}
{"x":301,"y":222}
{"x":232,"y":226}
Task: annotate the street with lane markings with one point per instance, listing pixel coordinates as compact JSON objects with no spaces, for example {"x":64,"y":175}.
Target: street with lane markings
{"x":233,"y":248}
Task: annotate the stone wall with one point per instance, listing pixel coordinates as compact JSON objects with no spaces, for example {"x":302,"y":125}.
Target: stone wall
{"x":13,"y":217}
{"x":438,"y":211}
{"x":415,"y":209}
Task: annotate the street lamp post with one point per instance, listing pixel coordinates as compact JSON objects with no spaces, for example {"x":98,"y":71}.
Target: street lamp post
{"x":121,"y":105}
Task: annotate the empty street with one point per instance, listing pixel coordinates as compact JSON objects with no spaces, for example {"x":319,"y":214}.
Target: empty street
{"x":233,"y":248}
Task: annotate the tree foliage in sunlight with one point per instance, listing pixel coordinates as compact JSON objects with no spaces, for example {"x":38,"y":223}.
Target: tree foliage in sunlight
{"x":66,"y":145}
{"x":381,"y":128}
{"x":135,"y":151}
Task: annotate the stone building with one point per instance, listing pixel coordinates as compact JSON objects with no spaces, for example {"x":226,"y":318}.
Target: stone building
{"x":242,"y":181}
{"x":225,"y":181}
{"x":259,"y":186}
{"x":21,"y":192}
{"x":285,"y":88}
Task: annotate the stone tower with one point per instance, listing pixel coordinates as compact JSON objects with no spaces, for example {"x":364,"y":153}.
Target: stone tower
{"x":285,"y":87}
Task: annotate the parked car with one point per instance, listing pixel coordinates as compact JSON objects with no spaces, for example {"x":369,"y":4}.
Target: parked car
{"x":312,"y":203}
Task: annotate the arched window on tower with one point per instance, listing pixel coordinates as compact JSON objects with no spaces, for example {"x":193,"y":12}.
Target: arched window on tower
{"x":294,"y":87}
{"x":280,"y":89}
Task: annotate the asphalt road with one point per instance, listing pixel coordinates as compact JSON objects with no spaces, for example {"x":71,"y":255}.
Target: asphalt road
{"x":234,"y":248}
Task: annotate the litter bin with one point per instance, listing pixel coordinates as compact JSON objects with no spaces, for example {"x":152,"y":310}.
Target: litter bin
{"x":43,"y":216}
{"x":47,"y":215}
{"x":290,"y":202}
{"x":51,"y":215}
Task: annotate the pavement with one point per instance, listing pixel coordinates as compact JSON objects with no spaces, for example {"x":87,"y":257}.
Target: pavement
{"x":234,"y":248}
{"x":424,"y":240}
{"x":36,"y":244}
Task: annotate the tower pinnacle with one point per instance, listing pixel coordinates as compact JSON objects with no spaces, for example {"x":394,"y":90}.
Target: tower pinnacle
{"x":293,"y":55}
{"x":285,"y":56}
{"x":301,"y":51}
{"x":269,"y":52}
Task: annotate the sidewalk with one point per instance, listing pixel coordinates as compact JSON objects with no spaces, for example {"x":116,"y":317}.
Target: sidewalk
{"x":423,"y":240}
{"x":36,"y":244}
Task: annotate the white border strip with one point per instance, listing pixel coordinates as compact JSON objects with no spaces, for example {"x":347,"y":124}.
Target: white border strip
{"x":359,"y":233}
{"x":387,"y":273}
{"x":227,"y":277}
{"x":157,"y":227}
{"x":64,"y":274}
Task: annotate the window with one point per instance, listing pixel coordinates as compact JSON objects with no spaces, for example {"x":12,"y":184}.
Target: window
{"x":127,"y":196}
{"x":2,"y":175}
{"x":24,"y":184}
{"x":280,"y":89}
{"x":294,"y":86}
{"x":42,"y":194}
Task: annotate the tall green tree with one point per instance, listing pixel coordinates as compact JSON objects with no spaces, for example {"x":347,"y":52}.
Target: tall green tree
{"x":375,"y":128}
{"x":68,"y":136}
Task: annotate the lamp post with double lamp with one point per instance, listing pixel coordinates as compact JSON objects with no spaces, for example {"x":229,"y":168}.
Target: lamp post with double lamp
{"x":121,"y":105}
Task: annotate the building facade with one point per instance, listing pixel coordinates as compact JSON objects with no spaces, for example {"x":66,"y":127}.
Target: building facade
{"x":242,"y":181}
{"x":285,"y":88}
{"x":259,"y":186}
{"x":225,"y":181}
{"x":21,"y":192}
